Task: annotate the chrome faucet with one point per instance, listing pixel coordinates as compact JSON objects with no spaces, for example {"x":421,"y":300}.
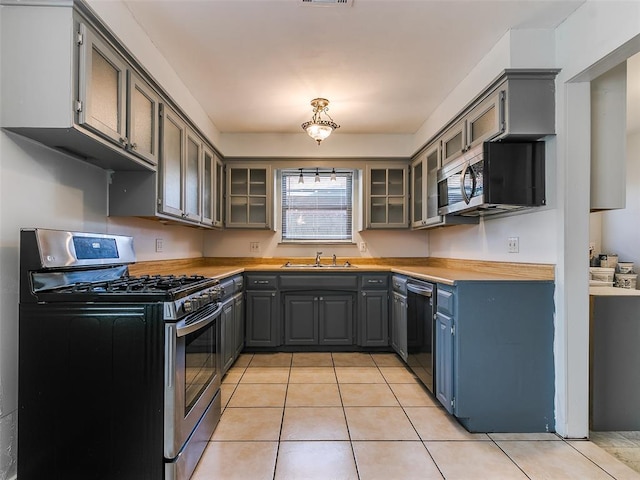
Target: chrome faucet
{"x":318,"y":258}
{"x":334,"y":259}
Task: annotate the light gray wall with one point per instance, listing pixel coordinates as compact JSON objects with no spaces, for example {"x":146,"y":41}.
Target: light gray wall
{"x":621,"y":228}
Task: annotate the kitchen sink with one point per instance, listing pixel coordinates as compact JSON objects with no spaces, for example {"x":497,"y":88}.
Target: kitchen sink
{"x":321,"y":265}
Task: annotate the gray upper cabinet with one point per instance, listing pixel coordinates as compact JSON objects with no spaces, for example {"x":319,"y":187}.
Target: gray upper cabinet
{"x":386,"y":196}
{"x":424,"y":188}
{"x":518,"y":105}
{"x":424,"y":191}
{"x":113,"y":100}
{"x":84,"y":96}
{"x":484,"y":122}
{"x":182,"y":184}
{"x":102,"y":87}
{"x":208,"y":185}
{"x":248,"y":196}
{"x":174,"y":136}
{"x":454,"y":141}
{"x":218,"y":209}
{"x":143,"y":119}
{"x":193,"y":185}
{"x":183,"y":189}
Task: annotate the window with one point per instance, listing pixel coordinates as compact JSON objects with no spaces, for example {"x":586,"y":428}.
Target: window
{"x":317,"y":211}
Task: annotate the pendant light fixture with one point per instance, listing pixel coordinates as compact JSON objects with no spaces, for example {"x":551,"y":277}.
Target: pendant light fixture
{"x":333,"y":175}
{"x":317,"y":179}
{"x":319,"y":128}
{"x":300,"y":178}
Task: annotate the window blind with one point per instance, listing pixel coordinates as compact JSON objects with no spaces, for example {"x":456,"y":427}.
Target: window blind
{"x":317,"y":211}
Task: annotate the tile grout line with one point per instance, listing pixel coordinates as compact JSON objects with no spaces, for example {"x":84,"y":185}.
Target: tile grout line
{"x":592,"y":461}
{"x":422,"y":442}
{"x":284,"y":407}
{"x":344,"y":413}
{"x":509,"y":457}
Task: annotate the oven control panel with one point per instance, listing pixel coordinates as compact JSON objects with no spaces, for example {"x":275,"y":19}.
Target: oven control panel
{"x":192,"y":303}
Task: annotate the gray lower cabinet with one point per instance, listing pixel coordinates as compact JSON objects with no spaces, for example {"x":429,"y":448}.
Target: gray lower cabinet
{"x":318,"y":319}
{"x":494,"y":355}
{"x":300,"y":319}
{"x":444,"y":360}
{"x":262,"y":320}
{"x":238,"y":323}
{"x":373,"y":311}
{"x":227,"y":332}
{"x":399,"y":325}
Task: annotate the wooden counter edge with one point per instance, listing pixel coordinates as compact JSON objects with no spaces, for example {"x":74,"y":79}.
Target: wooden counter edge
{"x":445,"y":270}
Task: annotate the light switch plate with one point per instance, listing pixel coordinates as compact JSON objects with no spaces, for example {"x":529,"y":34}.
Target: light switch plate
{"x":254,"y":247}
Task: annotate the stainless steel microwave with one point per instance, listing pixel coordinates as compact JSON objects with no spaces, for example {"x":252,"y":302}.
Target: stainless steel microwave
{"x":494,"y":177}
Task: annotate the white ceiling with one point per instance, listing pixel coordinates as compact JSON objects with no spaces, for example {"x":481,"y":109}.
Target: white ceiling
{"x":254,"y":65}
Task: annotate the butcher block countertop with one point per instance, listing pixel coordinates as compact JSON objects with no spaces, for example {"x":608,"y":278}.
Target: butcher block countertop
{"x":441,"y":270}
{"x":613,"y":292}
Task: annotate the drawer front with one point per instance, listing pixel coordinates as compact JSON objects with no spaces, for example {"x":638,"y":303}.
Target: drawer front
{"x":261,"y":282}
{"x":446,"y":301}
{"x":318,"y":282}
{"x":374,"y":281}
{"x":238,"y":283}
{"x":399,"y":284}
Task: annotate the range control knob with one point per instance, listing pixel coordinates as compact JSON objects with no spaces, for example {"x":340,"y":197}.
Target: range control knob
{"x":187,"y":306}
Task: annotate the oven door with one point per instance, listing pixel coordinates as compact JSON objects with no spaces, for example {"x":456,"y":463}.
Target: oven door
{"x":192,"y":374}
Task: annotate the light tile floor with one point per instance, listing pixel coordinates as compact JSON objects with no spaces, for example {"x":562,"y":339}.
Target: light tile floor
{"x":364,"y":416}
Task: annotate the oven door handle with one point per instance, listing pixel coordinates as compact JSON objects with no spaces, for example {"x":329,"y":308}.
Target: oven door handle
{"x":198,"y":320}
{"x":425,"y":292}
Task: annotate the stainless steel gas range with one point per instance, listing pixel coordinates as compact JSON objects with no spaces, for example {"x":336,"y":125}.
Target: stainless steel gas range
{"x":119,"y":376}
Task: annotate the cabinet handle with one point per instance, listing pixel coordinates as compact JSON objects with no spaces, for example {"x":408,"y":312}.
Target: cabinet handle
{"x":123,"y":140}
{"x":364,"y":294}
{"x":133,"y":146}
{"x":261,"y":282}
{"x":273,"y":294}
{"x":374,"y":281}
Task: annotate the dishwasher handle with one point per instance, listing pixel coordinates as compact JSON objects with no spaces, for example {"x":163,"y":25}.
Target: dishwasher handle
{"x":420,"y":290}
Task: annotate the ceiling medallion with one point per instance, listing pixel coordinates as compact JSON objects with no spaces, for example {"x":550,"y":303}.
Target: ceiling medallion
{"x":319,"y":128}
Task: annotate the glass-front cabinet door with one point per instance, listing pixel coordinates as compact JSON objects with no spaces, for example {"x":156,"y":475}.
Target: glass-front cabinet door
{"x":170,"y":199}
{"x":218,"y":210}
{"x":424,"y":187}
{"x":193,"y":177}
{"x":114,"y":101}
{"x":486,"y":120}
{"x":248,"y":196}
{"x":433,"y":164}
{"x":418,"y":193}
{"x":142,"y":119}
{"x":453,"y":142}
{"x":387,"y":196}
{"x":102,"y":88}
{"x":208,"y":185}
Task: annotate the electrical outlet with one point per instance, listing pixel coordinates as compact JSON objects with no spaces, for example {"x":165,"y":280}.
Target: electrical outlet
{"x":513,"y":244}
{"x":254,"y":247}
{"x":159,"y":245}
{"x":363,"y":246}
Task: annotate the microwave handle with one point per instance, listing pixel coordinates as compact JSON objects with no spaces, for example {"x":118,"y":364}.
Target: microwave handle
{"x":468,"y":169}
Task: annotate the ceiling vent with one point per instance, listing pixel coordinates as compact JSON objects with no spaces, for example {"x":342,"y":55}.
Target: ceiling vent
{"x":326,"y":3}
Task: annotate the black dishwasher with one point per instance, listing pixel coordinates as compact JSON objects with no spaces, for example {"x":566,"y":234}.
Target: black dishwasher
{"x":420,"y":333}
